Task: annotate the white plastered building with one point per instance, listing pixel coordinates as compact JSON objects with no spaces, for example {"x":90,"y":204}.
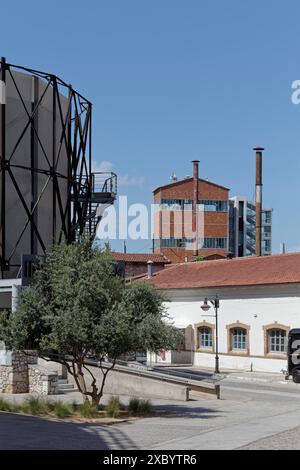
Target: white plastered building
{"x":259,"y":304}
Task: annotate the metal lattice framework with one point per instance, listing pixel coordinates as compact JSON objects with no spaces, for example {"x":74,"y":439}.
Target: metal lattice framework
{"x":71,"y":212}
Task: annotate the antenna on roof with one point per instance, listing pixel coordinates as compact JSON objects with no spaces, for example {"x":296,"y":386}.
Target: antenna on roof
{"x":173,"y":177}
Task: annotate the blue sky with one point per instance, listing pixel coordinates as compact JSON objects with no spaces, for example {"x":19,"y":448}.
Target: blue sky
{"x":175,"y":80}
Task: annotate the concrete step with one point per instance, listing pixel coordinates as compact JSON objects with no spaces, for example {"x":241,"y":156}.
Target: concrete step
{"x":65,"y":386}
{"x":62,"y":381}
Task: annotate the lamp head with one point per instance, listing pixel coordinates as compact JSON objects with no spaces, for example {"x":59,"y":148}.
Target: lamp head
{"x":205,"y":306}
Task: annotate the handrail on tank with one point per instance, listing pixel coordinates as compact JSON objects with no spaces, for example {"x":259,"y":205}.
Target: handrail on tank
{"x":104,"y":182}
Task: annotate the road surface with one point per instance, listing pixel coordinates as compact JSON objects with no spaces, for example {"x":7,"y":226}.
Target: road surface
{"x":249,"y":415}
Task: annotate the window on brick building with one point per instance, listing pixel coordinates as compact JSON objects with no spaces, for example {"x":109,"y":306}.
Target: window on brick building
{"x":212,"y":205}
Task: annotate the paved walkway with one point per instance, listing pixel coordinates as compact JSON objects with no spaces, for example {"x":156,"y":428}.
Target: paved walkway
{"x":245,"y":416}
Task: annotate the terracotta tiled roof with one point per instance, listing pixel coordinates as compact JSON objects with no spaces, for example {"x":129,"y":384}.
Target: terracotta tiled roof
{"x":141,"y":257}
{"x":249,"y":271}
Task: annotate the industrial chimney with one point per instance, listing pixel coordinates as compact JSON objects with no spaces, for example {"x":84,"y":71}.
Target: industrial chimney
{"x":258,"y":199}
{"x":195,"y":204}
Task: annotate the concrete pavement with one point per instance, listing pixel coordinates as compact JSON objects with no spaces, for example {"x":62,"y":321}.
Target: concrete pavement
{"x":247,"y":415}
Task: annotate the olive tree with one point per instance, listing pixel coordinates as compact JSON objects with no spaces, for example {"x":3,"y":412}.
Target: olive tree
{"x":77,"y":307}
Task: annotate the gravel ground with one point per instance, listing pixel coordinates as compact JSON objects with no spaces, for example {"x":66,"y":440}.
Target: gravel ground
{"x":288,"y":440}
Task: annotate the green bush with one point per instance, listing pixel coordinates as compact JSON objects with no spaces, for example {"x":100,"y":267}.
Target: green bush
{"x":133,"y":406}
{"x":5,"y":405}
{"x":113,"y":407}
{"x":63,"y":410}
{"x":17,"y":408}
{"x":88,"y":411}
{"x":145,"y":407}
{"x":37,"y":406}
{"x":140,"y":406}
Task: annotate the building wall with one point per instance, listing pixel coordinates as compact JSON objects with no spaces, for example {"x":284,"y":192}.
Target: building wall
{"x":254,"y":307}
{"x":137,"y":269}
{"x":242,"y":229}
{"x":178,"y":223}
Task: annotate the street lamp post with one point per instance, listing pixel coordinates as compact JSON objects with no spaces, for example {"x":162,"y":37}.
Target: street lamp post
{"x":205,"y":307}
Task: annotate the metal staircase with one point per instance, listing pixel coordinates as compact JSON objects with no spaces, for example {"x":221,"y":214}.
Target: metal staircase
{"x":103,"y":194}
{"x":97,"y":193}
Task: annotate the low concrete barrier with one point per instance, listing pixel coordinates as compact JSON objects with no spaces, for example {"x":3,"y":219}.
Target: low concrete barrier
{"x":141,"y":382}
{"x":205,"y":388}
{"x":135,"y":384}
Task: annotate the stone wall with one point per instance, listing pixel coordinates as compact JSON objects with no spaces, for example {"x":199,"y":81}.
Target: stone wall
{"x":41,"y":380}
{"x":20,"y":373}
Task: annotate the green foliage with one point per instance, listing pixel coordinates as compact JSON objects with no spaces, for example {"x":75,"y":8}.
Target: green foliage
{"x":63,"y":410}
{"x":137,"y":406}
{"x":133,"y":405}
{"x":113,"y":407}
{"x":37,"y":406}
{"x":88,"y":410}
{"x":78,"y":307}
{"x":5,"y":405}
{"x":145,"y":407}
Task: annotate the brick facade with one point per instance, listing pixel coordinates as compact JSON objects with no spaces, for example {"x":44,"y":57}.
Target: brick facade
{"x":136,"y":264}
{"x":178,"y":223}
{"x":139,"y":269}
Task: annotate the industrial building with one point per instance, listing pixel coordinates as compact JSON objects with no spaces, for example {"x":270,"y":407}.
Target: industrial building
{"x":48,"y":192}
{"x":191,"y":219}
{"x":195,"y":219}
{"x":242,"y":228}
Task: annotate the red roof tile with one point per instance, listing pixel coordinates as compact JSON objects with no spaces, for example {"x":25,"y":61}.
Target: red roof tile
{"x":140,"y":257}
{"x":249,"y":271}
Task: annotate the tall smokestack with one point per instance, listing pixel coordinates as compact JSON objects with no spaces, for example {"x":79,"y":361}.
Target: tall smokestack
{"x":195,"y":204}
{"x":258,"y":199}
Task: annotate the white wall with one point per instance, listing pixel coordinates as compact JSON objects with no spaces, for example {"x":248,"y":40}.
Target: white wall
{"x":254,"y":306}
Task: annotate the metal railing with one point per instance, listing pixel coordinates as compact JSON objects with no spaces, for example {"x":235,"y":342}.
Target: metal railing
{"x":104,"y":182}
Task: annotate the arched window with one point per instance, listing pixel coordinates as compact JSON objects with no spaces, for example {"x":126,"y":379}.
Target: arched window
{"x":238,"y":339}
{"x":205,"y":340}
{"x":276,"y":341}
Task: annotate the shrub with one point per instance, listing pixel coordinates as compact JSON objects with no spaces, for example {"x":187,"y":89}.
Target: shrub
{"x":37,"y":406}
{"x":145,"y":407}
{"x":63,"y":410}
{"x":113,"y":407}
{"x":5,"y":405}
{"x":17,"y":408}
{"x":133,"y":406}
{"x":140,"y":406}
{"x":88,"y":411}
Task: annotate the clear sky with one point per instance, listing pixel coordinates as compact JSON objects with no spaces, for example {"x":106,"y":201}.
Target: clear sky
{"x":175,"y":80}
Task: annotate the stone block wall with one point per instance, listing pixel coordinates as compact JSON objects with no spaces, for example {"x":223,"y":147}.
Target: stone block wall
{"x":20,"y":373}
{"x":41,"y":380}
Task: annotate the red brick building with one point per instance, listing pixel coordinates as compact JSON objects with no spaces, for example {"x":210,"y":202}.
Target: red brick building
{"x":136,"y":264}
{"x":191,"y":219}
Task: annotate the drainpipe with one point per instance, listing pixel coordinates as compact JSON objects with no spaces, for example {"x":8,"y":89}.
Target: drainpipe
{"x":195,"y":204}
